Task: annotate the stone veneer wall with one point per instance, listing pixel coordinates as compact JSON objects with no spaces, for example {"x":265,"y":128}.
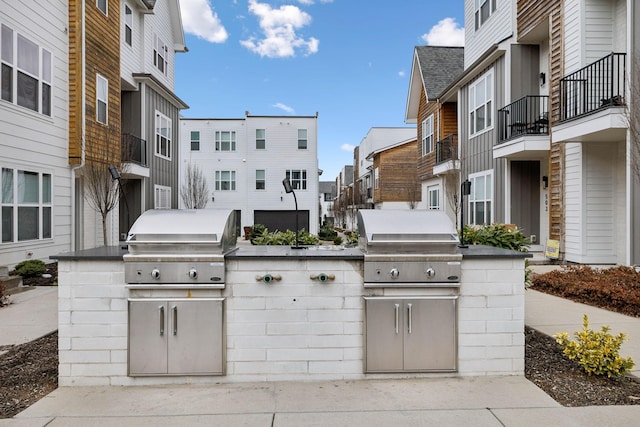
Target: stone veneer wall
{"x":292,"y":329}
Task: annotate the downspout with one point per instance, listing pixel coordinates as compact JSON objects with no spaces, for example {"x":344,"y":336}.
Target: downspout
{"x":75,"y":168}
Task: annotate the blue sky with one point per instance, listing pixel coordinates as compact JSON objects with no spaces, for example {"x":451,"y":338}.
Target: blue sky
{"x":348,"y":60}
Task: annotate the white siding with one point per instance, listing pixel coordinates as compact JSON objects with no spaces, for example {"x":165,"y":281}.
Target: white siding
{"x":132,"y":57}
{"x":572,"y":26}
{"x":159,"y":23}
{"x":620,"y":26}
{"x":35,"y":142}
{"x":500,"y":25}
{"x":598,"y":38}
{"x":573,"y":200}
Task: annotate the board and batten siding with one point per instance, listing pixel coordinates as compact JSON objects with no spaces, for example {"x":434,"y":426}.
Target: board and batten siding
{"x":132,"y":57}
{"x":498,"y":27}
{"x":159,"y":23}
{"x":34,"y":142}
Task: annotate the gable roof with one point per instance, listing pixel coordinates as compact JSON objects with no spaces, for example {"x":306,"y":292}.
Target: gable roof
{"x":434,"y":68}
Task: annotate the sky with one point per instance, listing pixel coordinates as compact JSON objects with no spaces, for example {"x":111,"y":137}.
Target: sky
{"x":347,"y":60}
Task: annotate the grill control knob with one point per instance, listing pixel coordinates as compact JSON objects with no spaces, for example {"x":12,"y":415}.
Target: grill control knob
{"x":193,"y":273}
{"x":430,"y":272}
{"x":394,"y":273}
{"x":155,"y":274}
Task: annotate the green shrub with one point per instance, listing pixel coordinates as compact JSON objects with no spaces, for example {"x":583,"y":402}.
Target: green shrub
{"x":284,"y":238}
{"x":337,"y":240}
{"x":30,"y":268}
{"x":327,"y":233}
{"x":256,"y":231}
{"x":596,"y":352}
{"x":497,"y":235}
{"x":352,"y":239}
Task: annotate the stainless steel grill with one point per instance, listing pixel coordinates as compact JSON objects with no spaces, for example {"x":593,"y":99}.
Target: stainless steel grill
{"x":180,"y":247}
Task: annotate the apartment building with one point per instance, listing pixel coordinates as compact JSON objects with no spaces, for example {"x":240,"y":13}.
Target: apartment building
{"x":245,"y":160}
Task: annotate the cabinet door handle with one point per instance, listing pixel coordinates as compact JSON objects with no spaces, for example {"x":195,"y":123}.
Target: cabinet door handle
{"x":174,"y":309}
{"x":397,"y":318}
{"x":161,"y":309}
{"x":409,"y":309}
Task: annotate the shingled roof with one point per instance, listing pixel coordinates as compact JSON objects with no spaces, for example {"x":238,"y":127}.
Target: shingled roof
{"x":439,"y":65}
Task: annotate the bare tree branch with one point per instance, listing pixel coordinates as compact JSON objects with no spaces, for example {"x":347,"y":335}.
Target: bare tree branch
{"x":194,"y":191}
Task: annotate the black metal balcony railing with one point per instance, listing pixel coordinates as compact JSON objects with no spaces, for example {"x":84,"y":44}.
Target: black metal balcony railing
{"x":599,"y":85}
{"x":447,"y":149}
{"x":134,"y":150}
{"x":528,"y":115}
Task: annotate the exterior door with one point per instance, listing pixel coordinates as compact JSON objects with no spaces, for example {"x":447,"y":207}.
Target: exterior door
{"x":148,"y":337}
{"x":525,"y":197}
{"x":384,"y":335}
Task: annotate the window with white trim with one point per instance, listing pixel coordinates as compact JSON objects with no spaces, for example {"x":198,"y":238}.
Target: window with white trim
{"x":102,"y":5}
{"x":163,"y":136}
{"x":102,"y":99}
{"x":433,"y":197}
{"x":297,"y":178}
{"x":26,"y":72}
{"x":483,"y":10}
{"x":225,"y":140}
{"x":195,"y":140}
{"x":481,"y":198}
{"x":302,"y":139}
{"x":128,"y":25}
{"x":376,"y":178}
{"x":427,"y":135}
{"x":261,"y":139}
{"x":160,"y":54}
{"x":481,"y":104}
{"x":225,"y":180}
{"x":260,"y":179}
{"x":26,"y":205}
{"x":162,"y":197}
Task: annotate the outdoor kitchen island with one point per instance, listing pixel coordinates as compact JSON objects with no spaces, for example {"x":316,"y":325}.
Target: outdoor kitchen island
{"x":283,"y":314}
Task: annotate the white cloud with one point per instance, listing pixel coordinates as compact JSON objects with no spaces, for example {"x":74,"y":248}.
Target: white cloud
{"x":348,"y":147}
{"x":401,"y":73}
{"x":445,"y":33}
{"x":200,"y":20}
{"x":284,"y":107}
{"x":310,"y":2}
{"x":279,"y":29}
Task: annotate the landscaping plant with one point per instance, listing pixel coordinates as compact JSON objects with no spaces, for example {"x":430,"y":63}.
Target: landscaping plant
{"x":496,"y":235}
{"x":30,"y":268}
{"x":285,"y":238}
{"x":598,"y":353}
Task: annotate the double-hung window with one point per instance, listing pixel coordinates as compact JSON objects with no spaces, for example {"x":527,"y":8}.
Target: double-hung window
{"x":102,"y":5}
{"x":481,"y":104}
{"x":26,"y":205}
{"x":128,"y":25}
{"x":297,"y":178}
{"x":160,"y":54}
{"x":163,"y":136}
{"x":433,"y":197}
{"x":225,"y":180}
{"x":102,"y":99}
{"x":483,"y":10}
{"x":261,"y":139}
{"x":225,"y":140}
{"x":427,"y":136}
{"x":163,"y":197}
{"x":195,"y":140}
{"x":26,"y":74}
{"x":260,"y":179}
{"x":302,"y":139}
{"x":481,"y":198}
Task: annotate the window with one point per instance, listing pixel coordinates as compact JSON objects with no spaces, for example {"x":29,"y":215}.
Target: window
{"x":195,"y":140}
{"x":480,"y":199}
{"x":261,"y":142}
{"x":433,"y":197}
{"x":376,"y":178}
{"x":298,"y":179}
{"x":484,"y":9}
{"x":128,"y":25}
{"x":302,"y":139}
{"x":26,"y":74}
{"x":427,"y":136}
{"x":225,"y":140}
{"x":163,"y":136}
{"x":260,"y":179}
{"x":102,"y":5}
{"x":160,"y":55}
{"x":163,"y":197}
{"x":225,"y":180}
{"x":480,"y":104}
{"x":26,"y":205}
{"x":102,"y":99}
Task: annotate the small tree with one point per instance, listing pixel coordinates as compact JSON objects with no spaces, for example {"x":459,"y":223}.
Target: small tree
{"x":194,"y":191}
{"x":102,"y":192}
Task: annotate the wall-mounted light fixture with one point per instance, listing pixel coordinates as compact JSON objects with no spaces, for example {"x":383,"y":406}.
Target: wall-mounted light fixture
{"x":213,"y":198}
{"x":543,"y":79}
{"x":545,"y":181}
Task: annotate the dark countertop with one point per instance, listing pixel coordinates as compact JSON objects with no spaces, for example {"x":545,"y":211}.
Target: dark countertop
{"x":112,"y":253}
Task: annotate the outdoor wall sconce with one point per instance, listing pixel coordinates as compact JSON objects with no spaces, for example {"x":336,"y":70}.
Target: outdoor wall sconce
{"x":115,"y":176}
{"x":213,"y":198}
{"x":465,"y":190}
{"x":543,"y":79}
{"x":545,"y":181}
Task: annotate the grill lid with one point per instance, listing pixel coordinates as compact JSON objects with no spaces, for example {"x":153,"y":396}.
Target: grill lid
{"x":406,"y":231}
{"x":193,"y":231}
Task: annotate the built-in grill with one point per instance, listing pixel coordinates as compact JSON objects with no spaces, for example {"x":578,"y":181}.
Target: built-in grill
{"x":180,"y":247}
{"x":412,"y":272}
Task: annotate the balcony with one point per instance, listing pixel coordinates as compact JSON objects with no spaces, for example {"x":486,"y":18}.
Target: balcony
{"x":446,"y":155}
{"x":526,"y":116}
{"x":134,"y":150}
{"x":595,"y":87}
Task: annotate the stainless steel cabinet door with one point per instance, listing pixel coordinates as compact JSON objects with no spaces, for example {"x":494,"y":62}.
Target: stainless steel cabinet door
{"x":147,"y":337}
{"x":430,"y":334}
{"x":384,"y":335}
{"x":195,"y":336}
